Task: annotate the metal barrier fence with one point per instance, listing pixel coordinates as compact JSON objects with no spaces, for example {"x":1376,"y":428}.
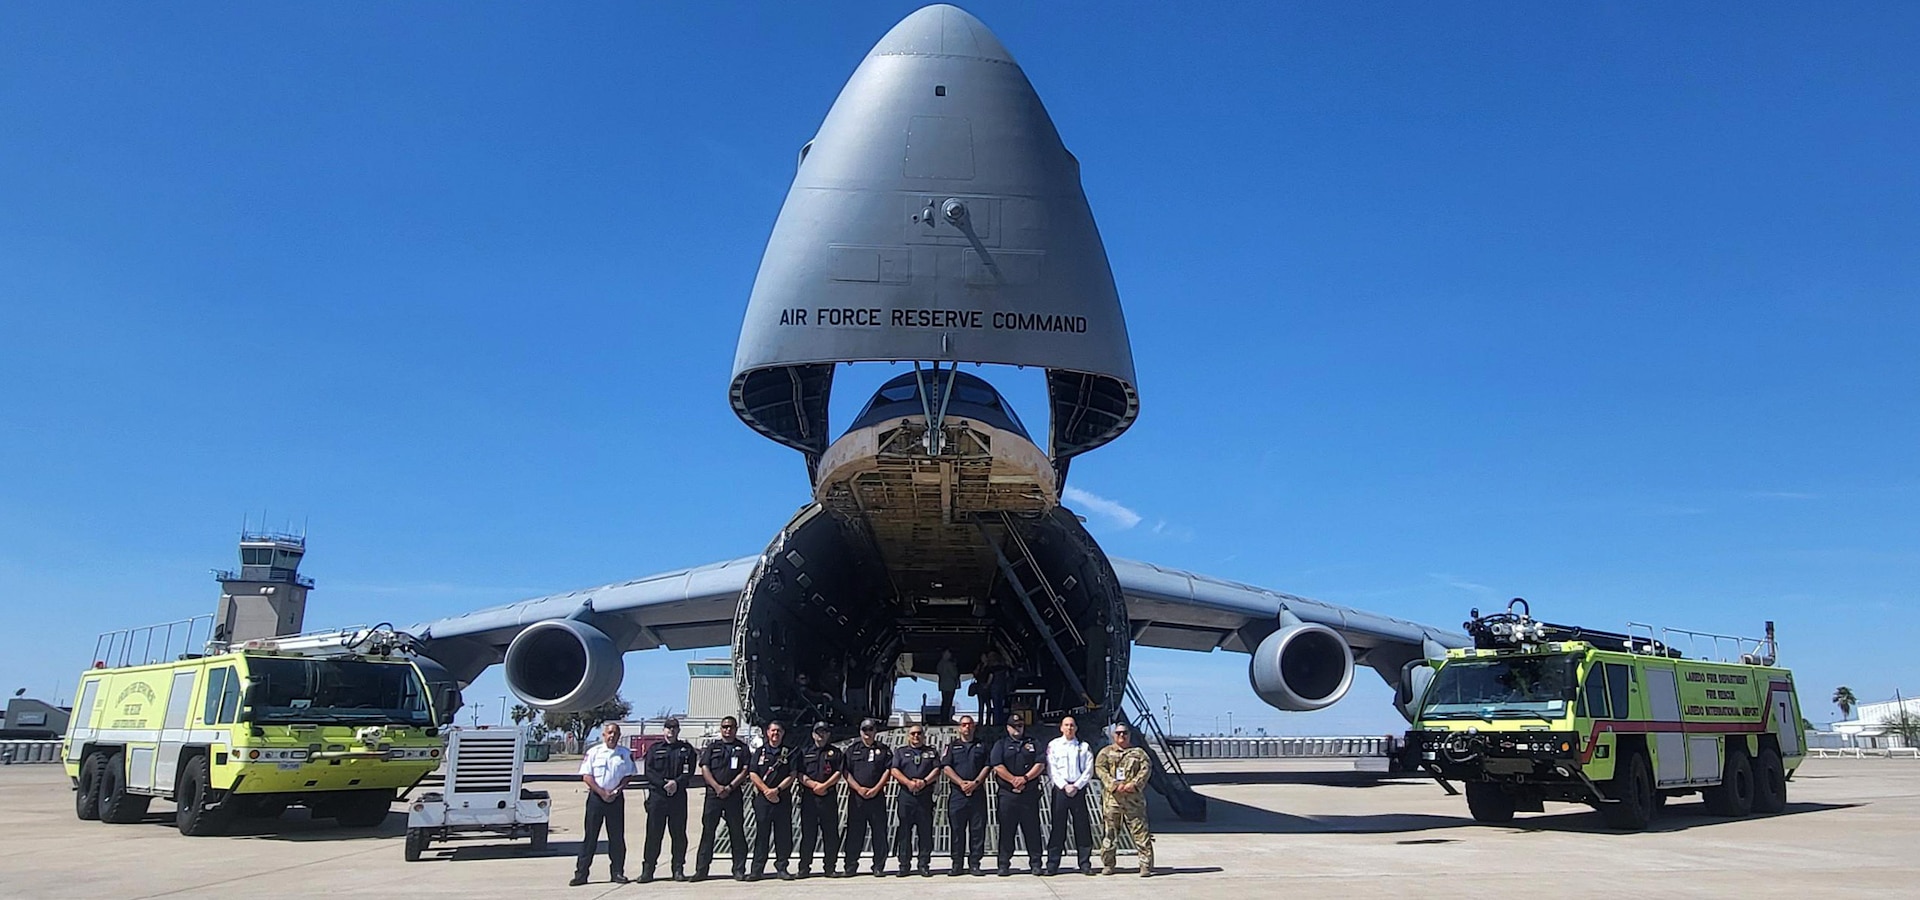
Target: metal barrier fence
{"x":1280,"y":747}
{"x":29,"y":752}
{"x":942,"y":841}
{"x":1865,"y":752}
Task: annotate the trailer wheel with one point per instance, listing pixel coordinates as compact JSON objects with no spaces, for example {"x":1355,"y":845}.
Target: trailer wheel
{"x":416,"y":843}
{"x":1769,"y":783}
{"x":191,"y":815}
{"x":1733,"y":796}
{"x":1489,"y":803}
{"x":1632,"y":789}
{"x":116,"y":805}
{"x":86,"y":794}
{"x":539,"y":835}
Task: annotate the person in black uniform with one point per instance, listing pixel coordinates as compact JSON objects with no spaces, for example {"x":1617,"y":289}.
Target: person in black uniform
{"x":916,"y":767}
{"x":966,"y":764}
{"x":821,"y":768}
{"x":772,"y":774}
{"x":671,"y":766}
{"x":724,"y":767}
{"x":1018,"y":762}
{"x":867,"y":764}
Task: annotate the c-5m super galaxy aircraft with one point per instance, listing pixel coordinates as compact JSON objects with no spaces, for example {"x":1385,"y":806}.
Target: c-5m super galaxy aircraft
{"x":937,"y":219}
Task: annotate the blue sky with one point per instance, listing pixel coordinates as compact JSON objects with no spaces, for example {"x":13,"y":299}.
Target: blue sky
{"x":1614,"y":309}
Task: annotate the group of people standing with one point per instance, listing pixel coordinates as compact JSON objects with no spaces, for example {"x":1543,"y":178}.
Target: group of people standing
{"x":775,"y":775}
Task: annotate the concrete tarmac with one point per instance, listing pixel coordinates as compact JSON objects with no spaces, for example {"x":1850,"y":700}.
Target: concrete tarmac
{"x":1278,"y":828}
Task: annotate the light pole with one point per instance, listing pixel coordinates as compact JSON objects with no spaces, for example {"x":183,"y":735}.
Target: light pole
{"x":1229,"y":723}
{"x":503,"y":710}
{"x":475,"y":713}
{"x":1167,"y":707}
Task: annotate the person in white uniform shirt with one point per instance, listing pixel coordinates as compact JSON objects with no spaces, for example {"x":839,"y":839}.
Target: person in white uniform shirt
{"x":606,"y":769}
{"x":1070,"y":765}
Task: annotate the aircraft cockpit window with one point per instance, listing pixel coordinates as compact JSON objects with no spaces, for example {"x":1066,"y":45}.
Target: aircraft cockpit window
{"x":980,"y":395}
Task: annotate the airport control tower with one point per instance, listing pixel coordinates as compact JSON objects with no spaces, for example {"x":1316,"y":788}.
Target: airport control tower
{"x":268,"y":596}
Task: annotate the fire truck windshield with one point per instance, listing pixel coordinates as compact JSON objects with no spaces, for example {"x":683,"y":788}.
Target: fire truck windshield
{"x":336,"y":690}
{"x":1528,"y":685}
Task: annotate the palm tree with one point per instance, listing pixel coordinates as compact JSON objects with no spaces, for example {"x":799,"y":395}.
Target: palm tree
{"x":1843,"y":698}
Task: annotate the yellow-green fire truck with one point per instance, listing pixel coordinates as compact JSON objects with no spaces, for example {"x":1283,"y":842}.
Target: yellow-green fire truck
{"x":1536,"y":712}
{"x":338,"y":722}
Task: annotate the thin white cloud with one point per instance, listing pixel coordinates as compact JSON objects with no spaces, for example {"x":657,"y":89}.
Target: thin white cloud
{"x":1111,"y":510}
{"x":1460,"y":584}
{"x":1170,"y":531}
{"x":1782,"y":495}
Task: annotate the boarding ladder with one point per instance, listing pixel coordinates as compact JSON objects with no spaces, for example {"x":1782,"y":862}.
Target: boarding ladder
{"x":1167,"y":778}
{"x":1051,"y":620}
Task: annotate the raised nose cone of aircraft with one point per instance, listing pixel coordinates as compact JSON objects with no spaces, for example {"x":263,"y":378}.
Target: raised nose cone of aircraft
{"x":935,"y":216}
{"x":942,"y":30}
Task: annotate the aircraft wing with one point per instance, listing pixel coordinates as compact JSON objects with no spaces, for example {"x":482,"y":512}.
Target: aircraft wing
{"x":1187,"y":611}
{"x":693,"y":608}
{"x":680,"y":610}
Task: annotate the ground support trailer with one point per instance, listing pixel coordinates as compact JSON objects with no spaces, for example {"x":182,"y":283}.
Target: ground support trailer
{"x":482,"y":795}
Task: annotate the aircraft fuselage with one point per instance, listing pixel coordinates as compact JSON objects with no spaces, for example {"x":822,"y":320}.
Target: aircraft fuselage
{"x":914,"y":546}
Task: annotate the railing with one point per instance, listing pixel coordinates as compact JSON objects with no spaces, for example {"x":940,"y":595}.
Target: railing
{"x":12,"y":752}
{"x":1727,"y":648}
{"x":135,"y":646}
{"x":1280,"y":747}
{"x":281,"y":576}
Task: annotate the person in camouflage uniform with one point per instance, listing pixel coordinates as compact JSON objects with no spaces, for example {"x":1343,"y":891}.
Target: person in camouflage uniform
{"x":1123,"y":769}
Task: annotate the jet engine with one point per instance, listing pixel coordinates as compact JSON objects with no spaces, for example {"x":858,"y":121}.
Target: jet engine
{"x":1301,"y":667}
{"x":563,"y":665}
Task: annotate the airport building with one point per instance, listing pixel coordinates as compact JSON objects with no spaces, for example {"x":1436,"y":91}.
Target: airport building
{"x":1870,"y":727}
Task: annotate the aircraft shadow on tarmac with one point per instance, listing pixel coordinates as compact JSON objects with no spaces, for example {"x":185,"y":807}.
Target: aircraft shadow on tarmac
{"x":297,"y":825}
{"x":1228,"y":817}
{"x":1353,"y":779}
{"x":1676,"y":816}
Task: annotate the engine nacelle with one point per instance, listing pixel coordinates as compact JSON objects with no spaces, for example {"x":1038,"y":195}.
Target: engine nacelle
{"x":1301,"y":668}
{"x":564,"y":665}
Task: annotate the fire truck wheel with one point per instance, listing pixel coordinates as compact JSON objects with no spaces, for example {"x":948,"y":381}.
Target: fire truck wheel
{"x":86,"y":795}
{"x":416,"y":843}
{"x":539,"y":836}
{"x":365,"y":809}
{"x":1769,"y":783}
{"x":116,"y":805}
{"x":192,"y":816}
{"x":1733,"y":796}
{"x":1489,"y":803}
{"x":1632,"y":787}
